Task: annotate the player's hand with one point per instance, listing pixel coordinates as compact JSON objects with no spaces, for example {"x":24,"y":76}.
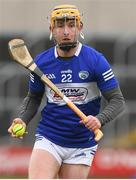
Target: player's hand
{"x":92,"y":123}
{"x":16,"y":121}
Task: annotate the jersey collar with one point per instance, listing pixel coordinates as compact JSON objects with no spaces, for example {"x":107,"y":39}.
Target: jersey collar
{"x":76,"y":53}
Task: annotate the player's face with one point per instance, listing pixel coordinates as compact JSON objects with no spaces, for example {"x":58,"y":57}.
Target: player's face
{"x":66,"y":31}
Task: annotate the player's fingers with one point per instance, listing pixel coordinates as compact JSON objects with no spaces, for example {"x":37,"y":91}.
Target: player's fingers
{"x":93,"y":125}
{"x":21,"y":137}
{"x":83,"y":121}
{"x":10,"y":128}
{"x":15,"y":136}
{"x":93,"y":128}
{"x":90,"y":124}
{"x":17,"y":121}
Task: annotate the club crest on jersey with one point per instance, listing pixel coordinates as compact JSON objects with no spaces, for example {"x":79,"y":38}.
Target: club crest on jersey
{"x":83,"y":74}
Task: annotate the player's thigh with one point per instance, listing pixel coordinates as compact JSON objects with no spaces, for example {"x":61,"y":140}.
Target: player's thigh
{"x":42,"y":165}
{"x":74,"y":171}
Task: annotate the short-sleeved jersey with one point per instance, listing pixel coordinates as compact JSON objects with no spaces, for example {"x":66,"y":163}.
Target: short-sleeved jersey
{"x":81,"y":78}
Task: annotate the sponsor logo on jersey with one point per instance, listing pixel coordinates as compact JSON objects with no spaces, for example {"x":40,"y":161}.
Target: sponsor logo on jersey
{"x":74,"y":94}
{"x":32,"y":77}
{"x":83,"y":74}
{"x":50,"y":76}
{"x":81,"y":154}
{"x":66,"y":71}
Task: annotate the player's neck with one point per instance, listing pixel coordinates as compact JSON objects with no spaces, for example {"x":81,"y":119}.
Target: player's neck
{"x":69,"y":53}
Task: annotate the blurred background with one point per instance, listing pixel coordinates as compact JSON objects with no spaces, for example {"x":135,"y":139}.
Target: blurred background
{"x":110,"y":27}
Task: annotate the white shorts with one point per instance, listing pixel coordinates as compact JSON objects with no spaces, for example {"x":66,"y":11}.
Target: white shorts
{"x":66,"y":155}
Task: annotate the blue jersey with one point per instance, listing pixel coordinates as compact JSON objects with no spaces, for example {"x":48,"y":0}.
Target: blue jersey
{"x":81,"y":78}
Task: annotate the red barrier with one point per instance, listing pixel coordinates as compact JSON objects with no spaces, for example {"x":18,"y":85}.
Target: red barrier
{"x":108,"y":163}
{"x":112,"y":163}
{"x":14,"y":160}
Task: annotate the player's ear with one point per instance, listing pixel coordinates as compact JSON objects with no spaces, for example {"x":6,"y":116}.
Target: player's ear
{"x":50,"y":33}
{"x":81,"y":33}
{"x":50,"y":28}
{"x":81,"y":25}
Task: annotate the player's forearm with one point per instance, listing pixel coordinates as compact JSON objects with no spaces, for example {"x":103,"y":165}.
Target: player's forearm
{"x":116,"y":105}
{"x":29,"y":106}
